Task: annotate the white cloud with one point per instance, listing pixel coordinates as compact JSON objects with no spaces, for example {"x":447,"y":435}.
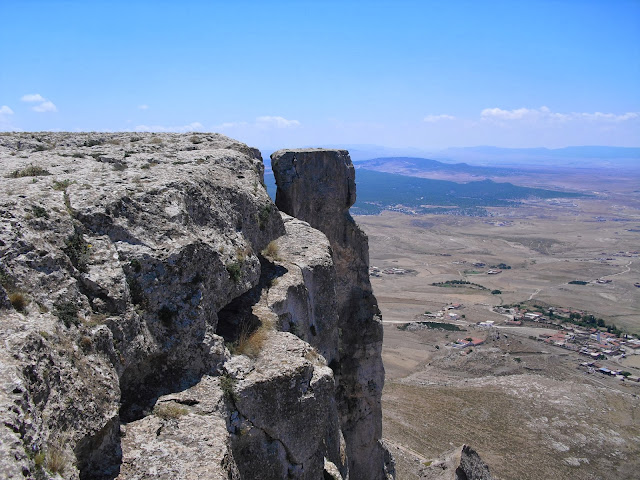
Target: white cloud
{"x":5,"y":123}
{"x":228,"y":125}
{"x":437,"y":118}
{"x":192,"y":127}
{"x":143,"y":107}
{"x":518,"y":114}
{"x":277,"y":122}
{"x":33,"y":97}
{"x":47,"y":106}
{"x":544,"y":113}
{"x":260,"y":123}
{"x":44,"y":104}
{"x":608,"y":117}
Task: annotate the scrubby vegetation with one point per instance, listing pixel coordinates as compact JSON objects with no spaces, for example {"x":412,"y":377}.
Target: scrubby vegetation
{"x":39,"y":211}
{"x":19,"y":301}
{"x":77,"y":249}
{"x":234,"y":269}
{"x":458,"y":284}
{"x":67,"y":312}
{"x":170,"y":410}
{"x":30,"y":171}
{"x":263,"y":216}
{"x":251,"y":343}
{"x":227,"y":385}
{"x":437,"y":325}
{"x":271,"y":251}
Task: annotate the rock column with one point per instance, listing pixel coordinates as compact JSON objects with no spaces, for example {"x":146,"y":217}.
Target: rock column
{"x":318,"y":186}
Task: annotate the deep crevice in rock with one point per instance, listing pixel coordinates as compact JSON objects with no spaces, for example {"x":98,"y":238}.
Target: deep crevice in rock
{"x":99,"y":456}
{"x":143,"y":383}
{"x":237,"y":318}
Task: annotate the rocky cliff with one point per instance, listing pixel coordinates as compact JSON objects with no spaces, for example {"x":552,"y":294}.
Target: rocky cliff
{"x":162,"y":318}
{"x":318,"y":186}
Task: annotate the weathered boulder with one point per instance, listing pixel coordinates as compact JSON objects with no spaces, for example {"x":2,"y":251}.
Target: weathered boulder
{"x":318,"y":186}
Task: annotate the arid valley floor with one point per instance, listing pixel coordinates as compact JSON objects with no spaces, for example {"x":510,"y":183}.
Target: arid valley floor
{"x":525,"y":405}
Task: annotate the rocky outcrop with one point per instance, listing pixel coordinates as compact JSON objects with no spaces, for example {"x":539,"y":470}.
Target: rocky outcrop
{"x":462,"y":463}
{"x":318,"y":186}
{"x":162,"y":319}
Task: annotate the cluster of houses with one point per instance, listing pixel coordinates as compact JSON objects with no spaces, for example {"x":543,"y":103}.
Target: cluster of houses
{"x":377,"y":272}
{"x":446,"y":312}
{"x":591,"y":342}
{"x":587,"y":341}
{"x":502,"y":223}
{"x":593,"y":367}
{"x":467,"y":342}
{"x":633,"y":254}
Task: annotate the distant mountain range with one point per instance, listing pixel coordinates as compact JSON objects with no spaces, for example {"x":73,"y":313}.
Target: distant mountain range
{"x":378,"y":191}
{"x":417,"y":166}
{"x":576,"y":156}
{"x":579,"y":156}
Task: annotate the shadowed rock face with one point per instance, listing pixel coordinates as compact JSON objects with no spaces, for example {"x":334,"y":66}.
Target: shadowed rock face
{"x":318,"y":186}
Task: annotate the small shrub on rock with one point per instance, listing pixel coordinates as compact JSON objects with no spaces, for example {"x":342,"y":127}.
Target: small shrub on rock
{"x":271,"y":251}
{"x":235,"y":271}
{"x":77,"y":250}
{"x":30,"y":171}
{"x":67,"y":312}
{"x":62,"y":184}
{"x":19,"y":301}
{"x":227,"y":384}
{"x":252,"y":343}
{"x":170,"y":410}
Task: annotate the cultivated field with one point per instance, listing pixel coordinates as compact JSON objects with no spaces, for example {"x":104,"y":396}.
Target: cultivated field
{"x":525,"y":405}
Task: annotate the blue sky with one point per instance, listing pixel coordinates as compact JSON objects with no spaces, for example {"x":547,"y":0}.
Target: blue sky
{"x":425,"y":74}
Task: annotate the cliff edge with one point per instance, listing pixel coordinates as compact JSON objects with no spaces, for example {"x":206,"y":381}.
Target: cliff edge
{"x":162,"y":318}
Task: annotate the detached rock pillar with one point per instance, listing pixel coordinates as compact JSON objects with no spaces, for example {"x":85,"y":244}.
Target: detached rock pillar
{"x":318,"y":186}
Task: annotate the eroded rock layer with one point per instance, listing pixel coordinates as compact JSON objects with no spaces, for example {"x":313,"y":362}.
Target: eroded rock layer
{"x":162,"y":319}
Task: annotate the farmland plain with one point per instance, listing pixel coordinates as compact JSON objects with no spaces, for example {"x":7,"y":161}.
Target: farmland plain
{"x":526,"y":406}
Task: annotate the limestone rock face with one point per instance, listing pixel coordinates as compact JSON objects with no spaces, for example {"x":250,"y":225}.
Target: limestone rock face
{"x":318,"y":186}
{"x":162,"y":319}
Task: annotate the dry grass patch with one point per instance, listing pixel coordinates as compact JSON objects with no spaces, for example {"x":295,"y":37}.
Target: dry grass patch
{"x":272,"y":251}
{"x":170,"y":410}
{"x":19,"y":301}
{"x":30,"y":171}
{"x":252,"y":343}
{"x":56,"y":459}
{"x":315,"y":357}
